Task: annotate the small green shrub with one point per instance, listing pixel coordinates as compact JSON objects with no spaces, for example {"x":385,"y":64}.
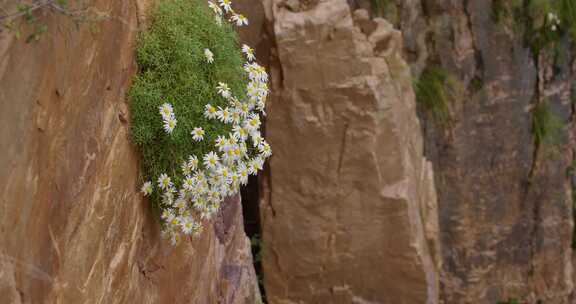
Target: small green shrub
{"x":546,"y":126}
{"x":434,"y":90}
{"x":173,"y":69}
{"x":186,"y":55}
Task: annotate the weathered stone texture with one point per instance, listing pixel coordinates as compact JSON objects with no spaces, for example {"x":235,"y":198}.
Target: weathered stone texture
{"x":505,"y":204}
{"x":73,"y":227}
{"x":350,"y":197}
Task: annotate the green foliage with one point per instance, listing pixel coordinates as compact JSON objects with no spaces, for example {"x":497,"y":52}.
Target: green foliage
{"x":173,"y":69}
{"x":435,"y":88}
{"x":531,"y":18}
{"x":546,"y":126}
{"x":567,"y":13}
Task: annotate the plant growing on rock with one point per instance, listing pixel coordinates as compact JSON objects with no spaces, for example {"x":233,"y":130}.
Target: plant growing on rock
{"x":196,"y":106}
{"x":434,"y":89}
{"x":544,"y":22}
{"x":10,"y":16}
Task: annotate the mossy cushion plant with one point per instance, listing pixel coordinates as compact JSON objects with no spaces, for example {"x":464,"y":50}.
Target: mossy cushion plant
{"x":195,"y":104}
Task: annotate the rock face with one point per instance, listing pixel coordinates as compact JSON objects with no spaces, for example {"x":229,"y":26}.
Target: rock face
{"x":349,"y":208}
{"x":73,"y":227}
{"x":505,"y":203}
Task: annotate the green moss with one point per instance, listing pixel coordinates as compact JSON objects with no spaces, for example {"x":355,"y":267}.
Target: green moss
{"x":546,"y":126}
{"x":173,"y":69}
{"x":434,"y":89}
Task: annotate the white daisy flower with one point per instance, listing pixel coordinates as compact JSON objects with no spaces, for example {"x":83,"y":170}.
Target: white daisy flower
{"x":169,"y":125}
{"x":240,"y":132}
{"x":186,"y":170}
{"x":253,"y":122}
{"x":257,"y":139}
{"x":224,"y":90}
{"x":210,"y":111}
{"x":243,"y":173}
{"x":167,"y":215}
{"x":264,"y":149}
{"x":166,"y":111}
{"x":224,"y":115}
{"x":146,"y":188}
{"x":226,"y":5}
{"x":188,"y":226}
{"x":254,"y":166}
{"x":193,"y":162}
{"x":220,"y":143}
{"x":175,"y":222}
{"x":180,"y":204}
{"x":211,"y":160}
{"x":239,"y":19}
{"x":168,"y":198}
{"x":198,"y":134}
{"x":209,"y":55}
{"x":164,"y":182}
{"x":223,"y":172}
{"x":189,"y":183}
{"x":215,"y":8}
{"x":249,"y":52}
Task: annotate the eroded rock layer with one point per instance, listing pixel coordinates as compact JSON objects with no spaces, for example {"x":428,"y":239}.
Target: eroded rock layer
{"x":73,"y":227}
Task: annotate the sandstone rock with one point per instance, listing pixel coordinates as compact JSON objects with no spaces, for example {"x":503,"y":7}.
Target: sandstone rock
{"x":349,"y":207}
{"x":73,"y":227}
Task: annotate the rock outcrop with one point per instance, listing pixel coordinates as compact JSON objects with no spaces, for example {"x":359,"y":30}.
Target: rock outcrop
{"x":73,"y":227}
{"x":348,"y":208}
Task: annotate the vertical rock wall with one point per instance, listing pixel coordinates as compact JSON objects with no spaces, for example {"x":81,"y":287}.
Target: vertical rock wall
{"x":505,"y":202}
{"x":73,"y":227}
{"x":349,"y":208}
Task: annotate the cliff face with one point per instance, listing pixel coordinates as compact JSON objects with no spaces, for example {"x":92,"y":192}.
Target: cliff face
{"x":505,"y":203}
{"x":348,"y":208}
{"x":73,"y":227}
{"x":351,"y":209}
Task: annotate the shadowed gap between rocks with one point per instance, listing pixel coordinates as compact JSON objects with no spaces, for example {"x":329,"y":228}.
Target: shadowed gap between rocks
{"x":252,"y":227}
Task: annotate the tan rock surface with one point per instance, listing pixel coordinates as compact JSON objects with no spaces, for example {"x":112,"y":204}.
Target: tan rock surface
{"x":73,"y":227}
{"x":349,"y":207}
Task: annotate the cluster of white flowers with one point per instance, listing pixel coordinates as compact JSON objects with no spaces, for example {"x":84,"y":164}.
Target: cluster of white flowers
{"x":167,"y":113}
{"x":236,"y":155}
{"x":225,"y":7}
{"x":554,"y":21}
